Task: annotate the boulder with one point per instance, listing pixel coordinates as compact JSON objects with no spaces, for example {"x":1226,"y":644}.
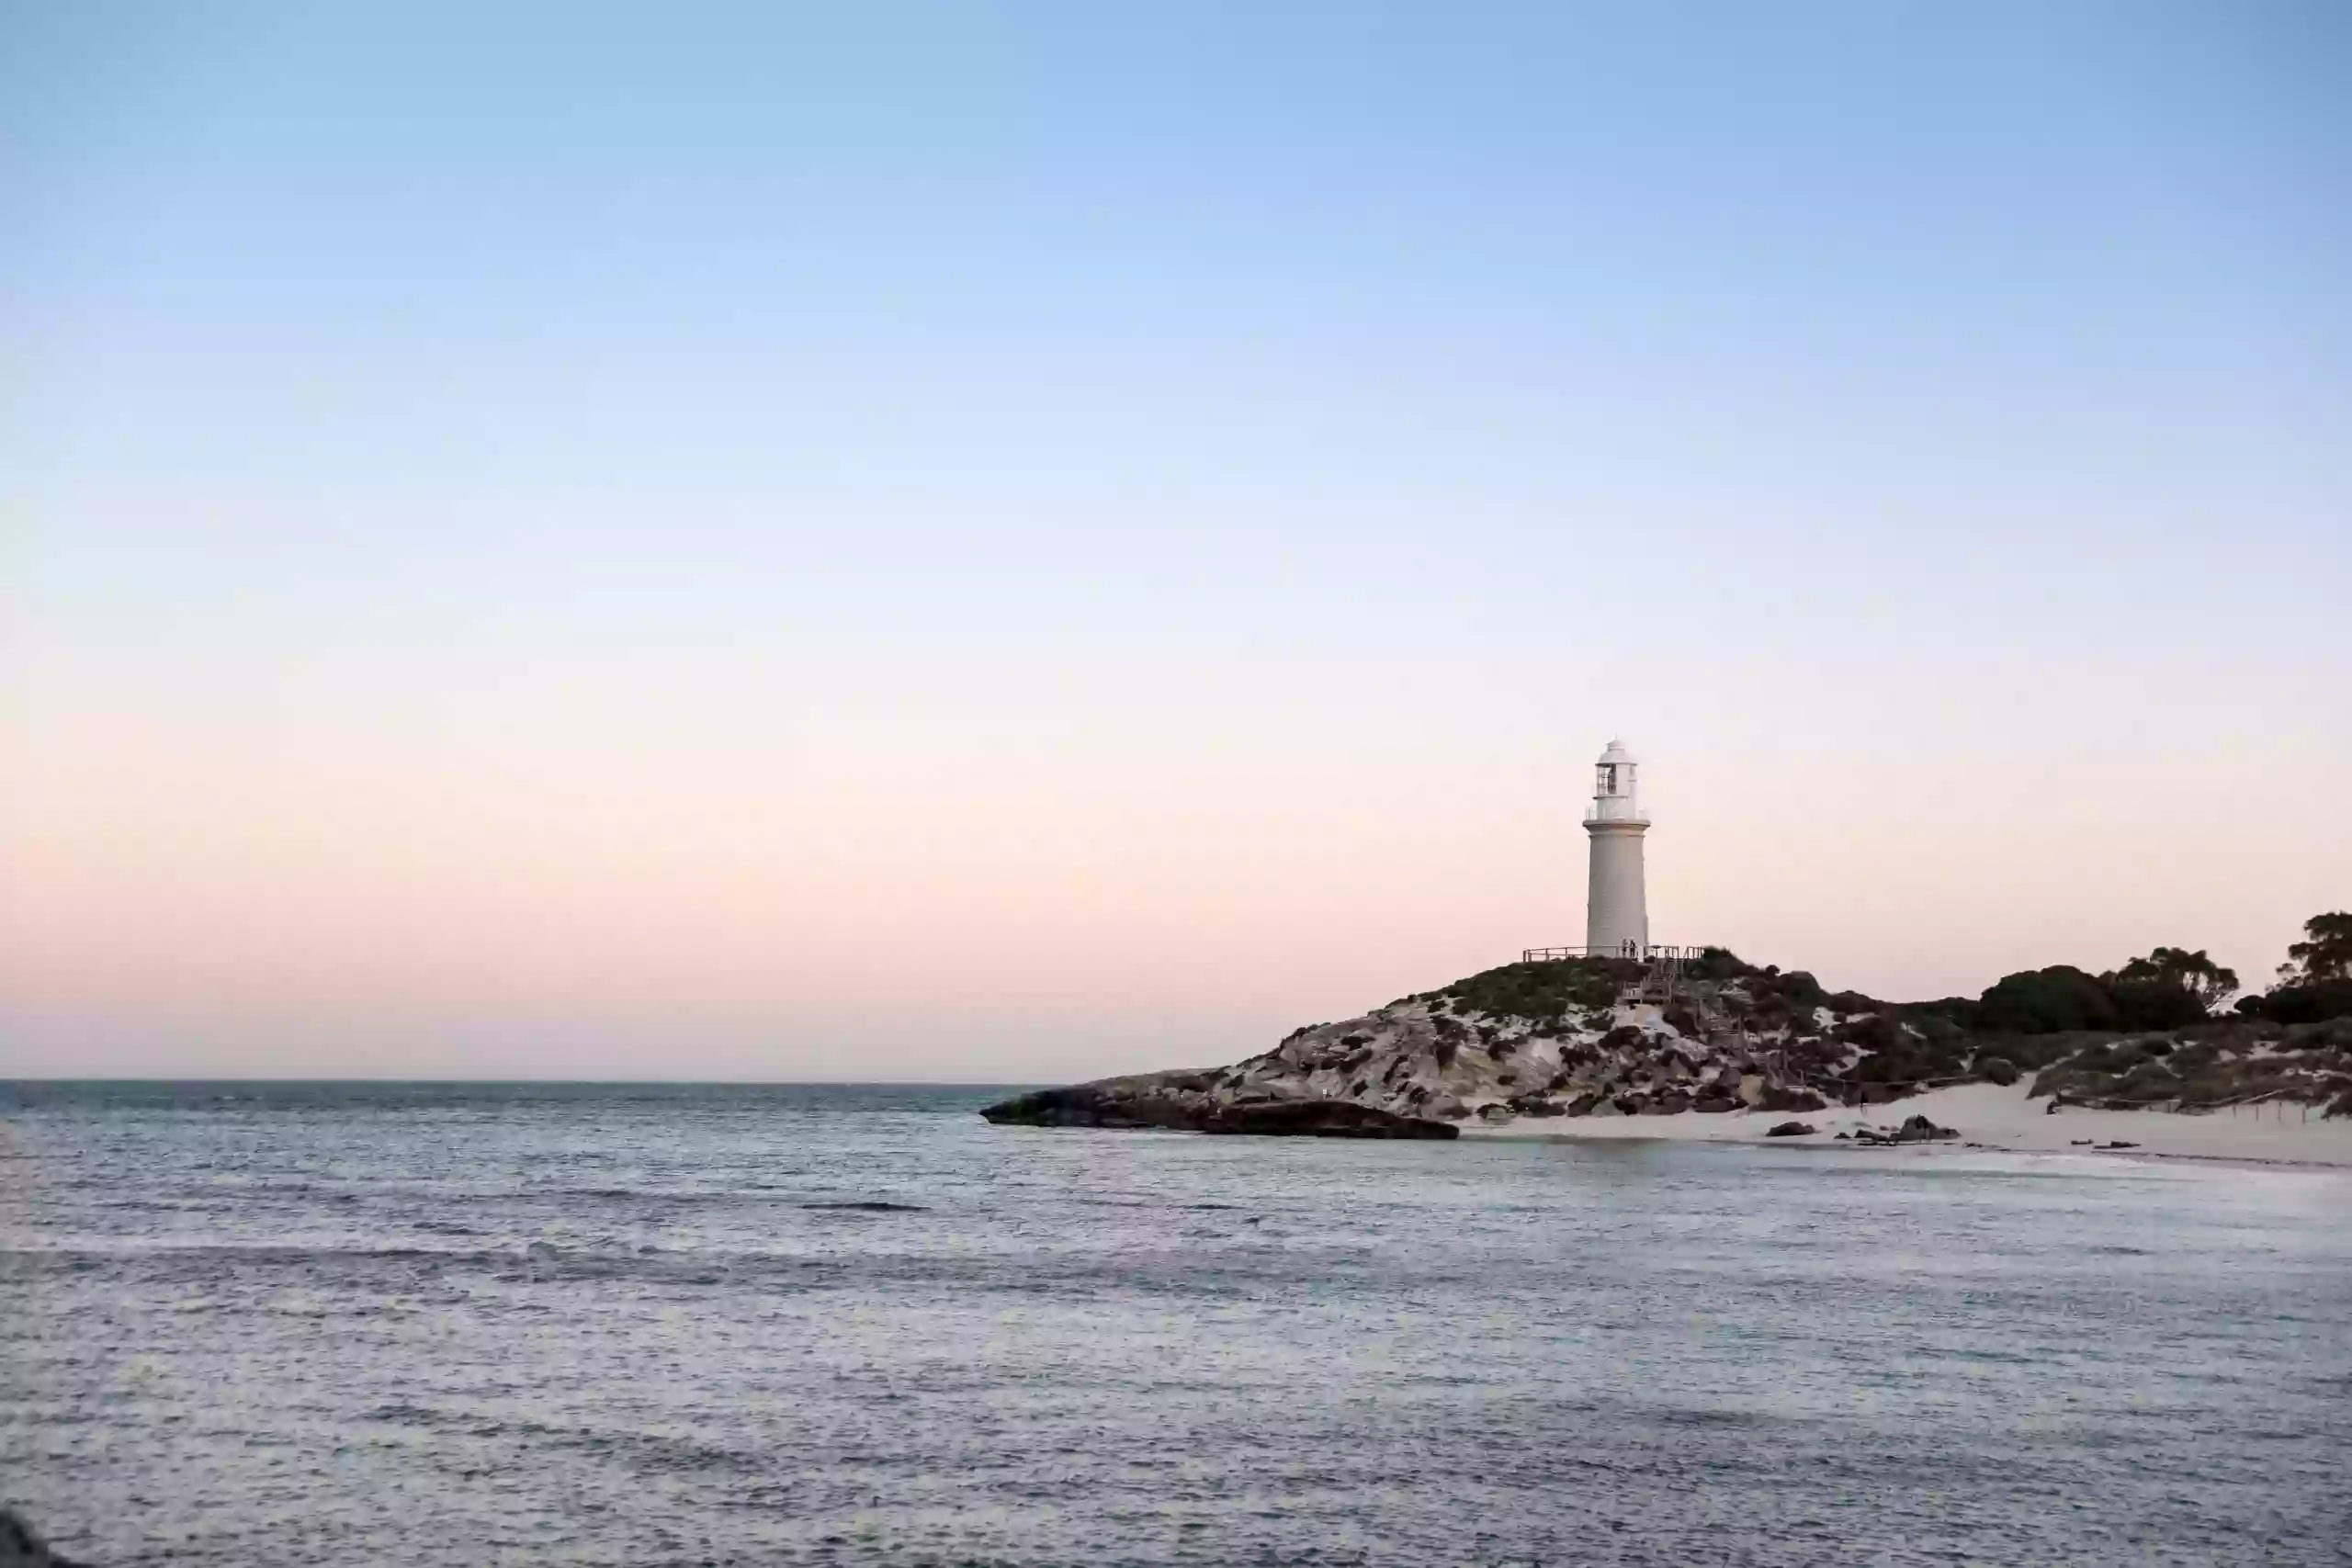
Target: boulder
{"x":1189,"y":1102}
{"x":1791,"y":1130}
{"x":1998,"y":1070}
{"x":1915,"y":1130}
{"x":1322,"y":1119}
{"x":20,"y":1548}
{"x":1918,"y":1129}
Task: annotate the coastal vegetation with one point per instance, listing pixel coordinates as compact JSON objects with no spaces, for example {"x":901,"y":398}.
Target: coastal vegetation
{"x":1712,"y":1033}
{"x":2315,"y":981}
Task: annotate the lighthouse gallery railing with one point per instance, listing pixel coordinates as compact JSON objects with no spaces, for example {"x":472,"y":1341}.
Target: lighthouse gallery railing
{"x":1622,"y":949}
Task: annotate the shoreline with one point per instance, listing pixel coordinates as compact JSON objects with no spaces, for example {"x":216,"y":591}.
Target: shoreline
{"x":1992,"y":1119}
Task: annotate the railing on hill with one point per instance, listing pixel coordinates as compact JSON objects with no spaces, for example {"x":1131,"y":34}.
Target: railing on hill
{"x":1634,"y":950}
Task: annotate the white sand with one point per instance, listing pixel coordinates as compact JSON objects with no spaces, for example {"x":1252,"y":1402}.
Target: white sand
{"x":1996,"y":1118}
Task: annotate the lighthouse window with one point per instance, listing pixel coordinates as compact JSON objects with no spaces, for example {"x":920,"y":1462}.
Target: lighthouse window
{"x":1609,"y":779}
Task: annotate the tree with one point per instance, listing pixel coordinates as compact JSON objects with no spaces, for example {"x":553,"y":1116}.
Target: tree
{"x":2046,"y":1001}
{"x":2194,"y":975}
{"x":2325,"y":954}
{"x":2315,"y":981}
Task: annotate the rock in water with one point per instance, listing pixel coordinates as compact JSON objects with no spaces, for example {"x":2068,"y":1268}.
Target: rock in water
{"x":1324,"y":1119}
{"x":1196,"y":1101}
{"x":20,"y":1548}
{"x":1791,"y":1130}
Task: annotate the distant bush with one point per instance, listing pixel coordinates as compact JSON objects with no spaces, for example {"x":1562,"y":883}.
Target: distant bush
{"x":2325,"y":953}
{"x":2108,"y":1056}
{"x":2169,"y":988}
{"x":2315,"y":982}
{"x":1901,"y":1050}
{"x":1543,"y":990}
{"x":1777,"y":1000}
{"x":2046,"y":1001}
{"x":2035,"y":1052}
{"x":1872,"y":1032}
{"x":1958,"y":1012}
{"x":1719,"y":963}
{"x":2309,"y":1003}
{"x":1801,"y":988}
{"x":2154,"y":1004}
{"x":1935,"y":1028}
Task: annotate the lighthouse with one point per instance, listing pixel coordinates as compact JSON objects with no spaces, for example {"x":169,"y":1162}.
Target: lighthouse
{"x":1616,"y":910}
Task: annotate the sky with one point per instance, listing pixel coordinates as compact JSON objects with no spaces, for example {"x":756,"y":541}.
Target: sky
{"x":1009,"y":542}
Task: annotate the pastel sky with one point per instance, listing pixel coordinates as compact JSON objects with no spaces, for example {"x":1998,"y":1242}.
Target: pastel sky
{"x":999,"y":542}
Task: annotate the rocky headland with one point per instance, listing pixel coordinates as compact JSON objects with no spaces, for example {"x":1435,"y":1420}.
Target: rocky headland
{"x":1586,"y":1038}
{"x":1202,"y":1101}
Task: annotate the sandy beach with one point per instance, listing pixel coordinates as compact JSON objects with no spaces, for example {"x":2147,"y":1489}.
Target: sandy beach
{"x":1994,"y":1117}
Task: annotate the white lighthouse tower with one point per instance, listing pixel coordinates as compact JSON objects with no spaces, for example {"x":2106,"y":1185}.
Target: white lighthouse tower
{"x":1616,"y":910}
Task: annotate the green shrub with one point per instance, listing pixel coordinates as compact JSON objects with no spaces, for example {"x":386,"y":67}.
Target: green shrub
{"x":1800,"y":989}
{"x":2309,"y":1003}
{"x":2154,"y":1004}
{"x":2046,"y":1001}
{"x":1958,"y":1012}
{"x":1719,"y":963}
{"x":1545,"y":990}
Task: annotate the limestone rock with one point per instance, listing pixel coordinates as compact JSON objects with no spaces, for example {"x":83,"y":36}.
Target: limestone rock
{"x":1915,"y":1130}
{"x":1191,"y":1101}
{"x":20,"y":1548}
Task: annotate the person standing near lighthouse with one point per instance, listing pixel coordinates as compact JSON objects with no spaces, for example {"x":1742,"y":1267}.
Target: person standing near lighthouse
{"x":1616,"y":911}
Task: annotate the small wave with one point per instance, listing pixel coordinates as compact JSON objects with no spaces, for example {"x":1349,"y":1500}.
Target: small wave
{"x":868,"y":1206}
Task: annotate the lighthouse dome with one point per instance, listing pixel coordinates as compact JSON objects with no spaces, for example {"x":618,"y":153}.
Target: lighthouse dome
{"x":1616,"y":790}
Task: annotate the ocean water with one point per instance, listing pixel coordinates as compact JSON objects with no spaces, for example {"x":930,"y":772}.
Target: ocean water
{"x":477,"y":1325}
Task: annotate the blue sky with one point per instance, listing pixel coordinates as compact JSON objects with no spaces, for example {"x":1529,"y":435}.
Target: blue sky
{"x":1281,"y":438}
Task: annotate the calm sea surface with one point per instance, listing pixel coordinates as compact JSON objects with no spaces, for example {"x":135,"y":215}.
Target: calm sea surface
{"x":472,"y":1325}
